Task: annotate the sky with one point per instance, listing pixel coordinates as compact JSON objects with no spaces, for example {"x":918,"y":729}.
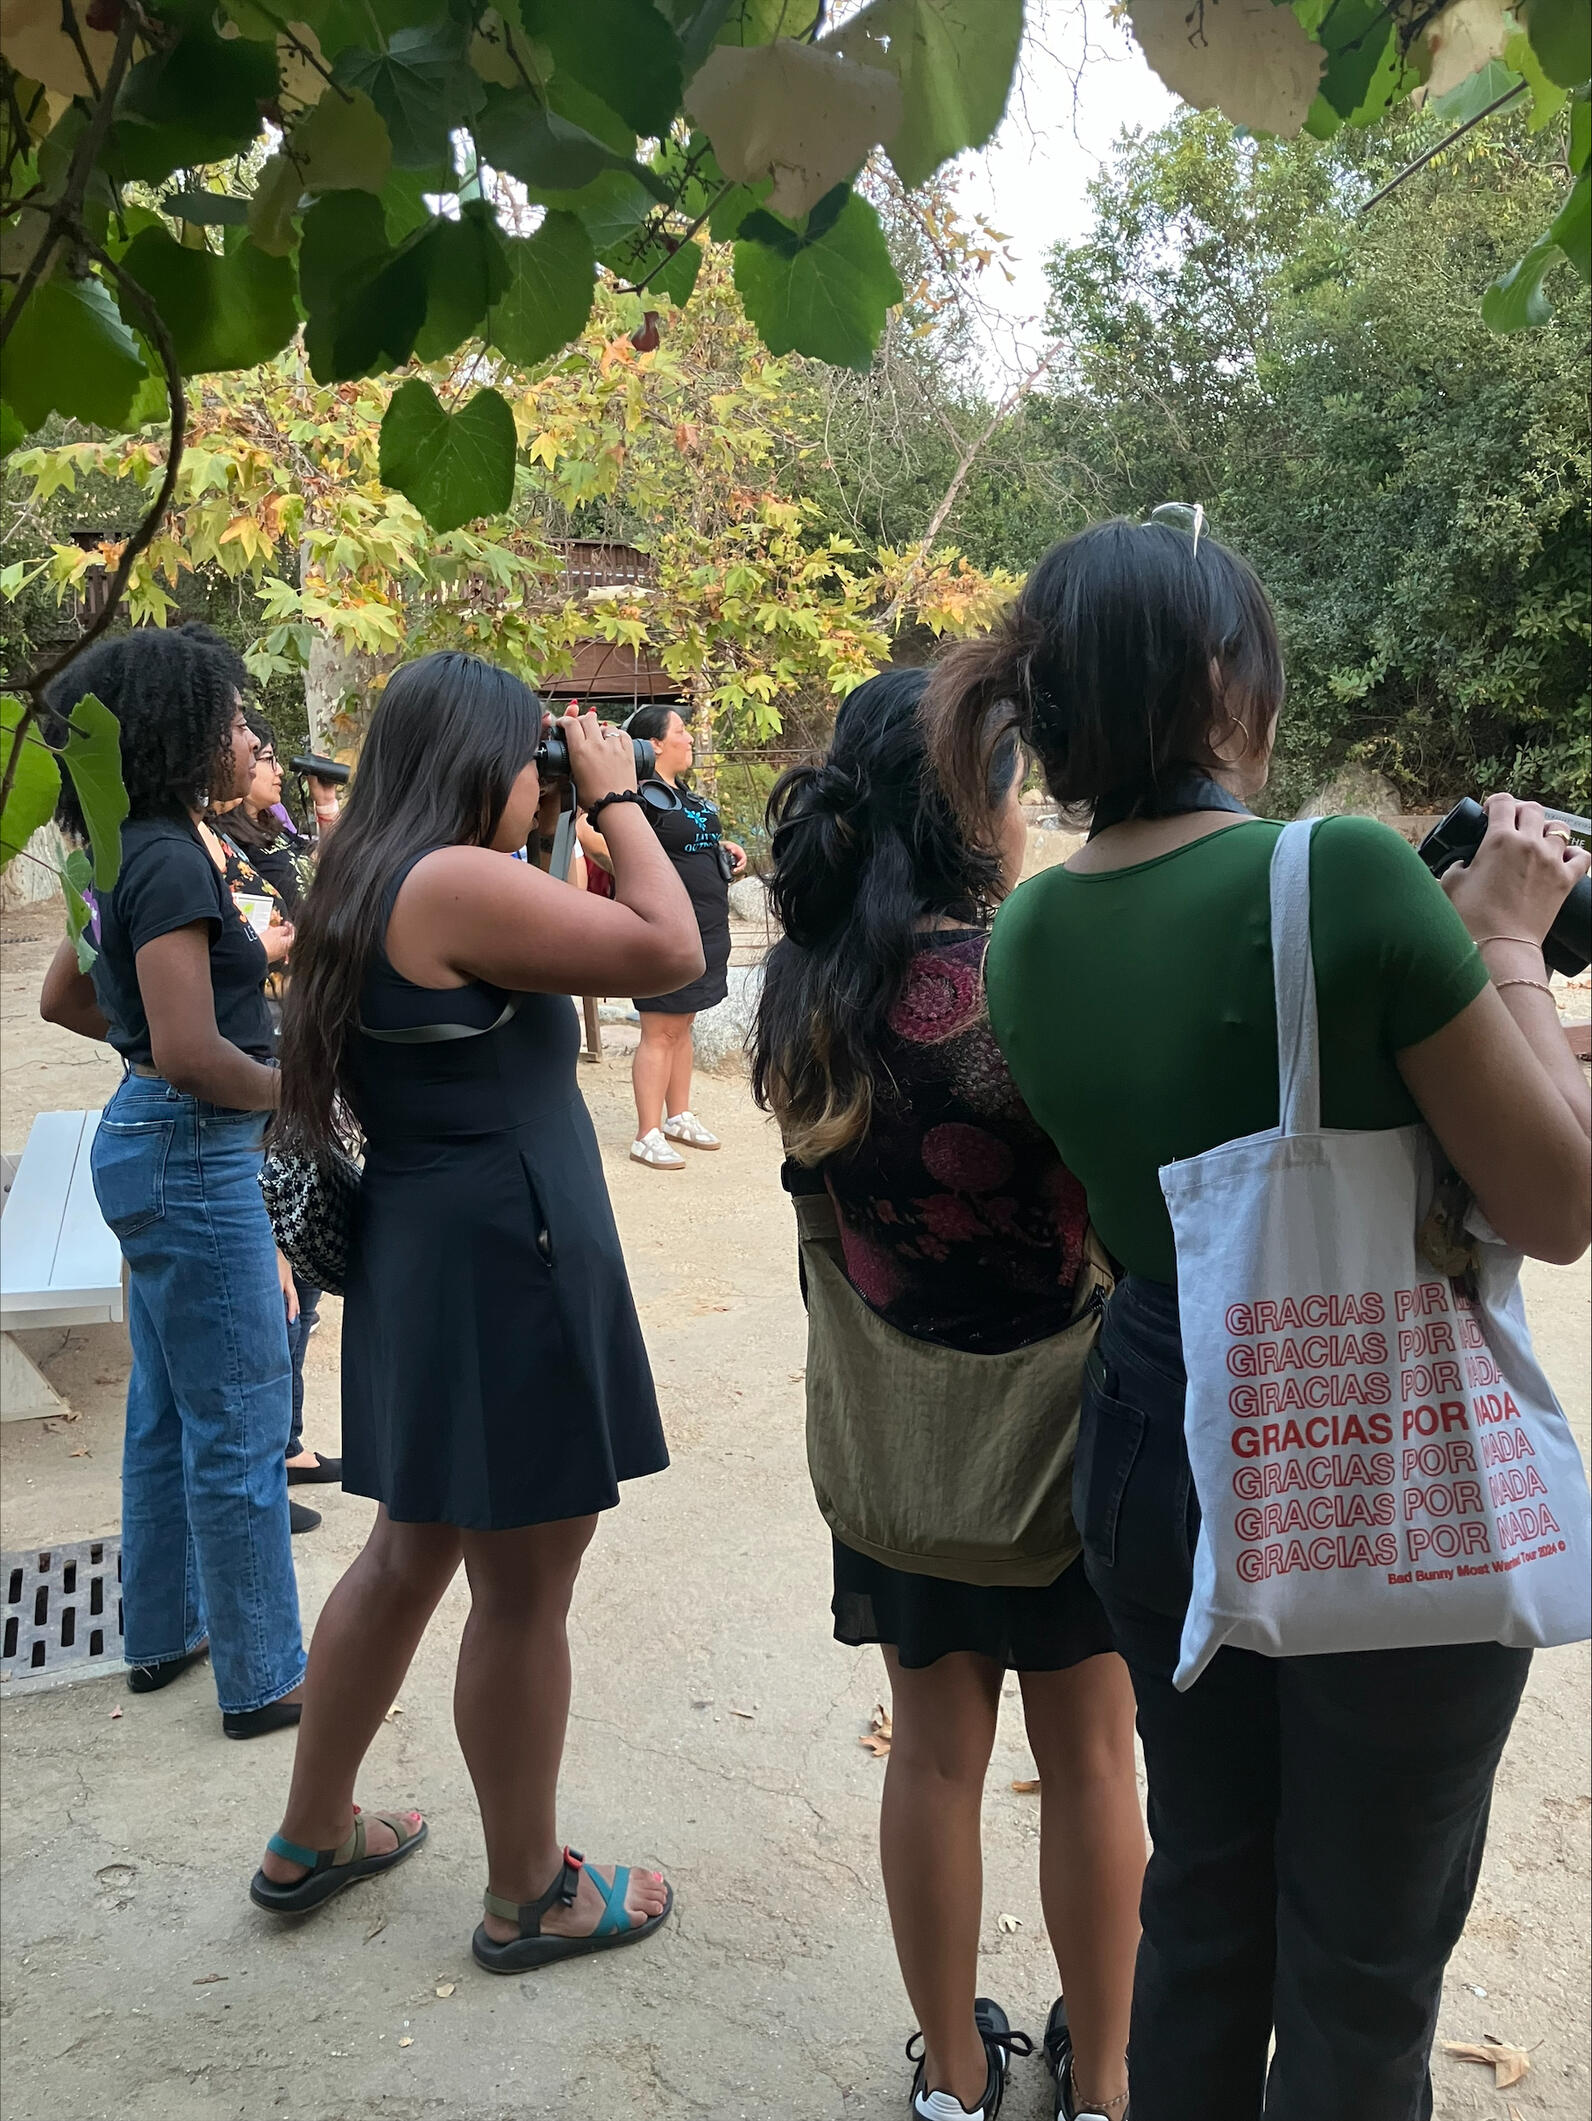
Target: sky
{"x":1031,"y":182}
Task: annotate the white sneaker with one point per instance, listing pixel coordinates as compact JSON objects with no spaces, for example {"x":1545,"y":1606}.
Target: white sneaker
{"x":687,"y":1128}
{"x":655,"y":1152}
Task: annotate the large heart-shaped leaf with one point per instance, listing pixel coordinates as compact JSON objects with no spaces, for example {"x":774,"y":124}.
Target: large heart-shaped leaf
{"x":454,"y":466}
{"x":954,"y":60}
{"x":69,"y":352}
{"x":1561,"y":36}
{"x":197,"y":100}
{"x":622,"y":50}
{"x":549,"y":293}
{"x":1252,"y":61}
{"x":222,"y":312}
{"x":802,"y":117}
{"x":93,"y":757}
{"x":465,"y":272}
{"x":31,"y":799}
{"x":826,"y":296}
{"x":364,"y":302}
{"x":422,"y":84}
{"x":519,"y":134}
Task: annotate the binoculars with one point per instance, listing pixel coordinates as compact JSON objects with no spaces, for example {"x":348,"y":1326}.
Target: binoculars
{"x":552,"y":757}
{"x":1567,"y":947}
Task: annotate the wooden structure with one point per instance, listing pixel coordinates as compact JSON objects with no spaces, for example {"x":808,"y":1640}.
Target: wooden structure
{"x":610,"y":672}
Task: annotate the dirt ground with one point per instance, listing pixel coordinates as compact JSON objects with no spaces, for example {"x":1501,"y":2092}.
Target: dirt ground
{"x":715,"y":1733}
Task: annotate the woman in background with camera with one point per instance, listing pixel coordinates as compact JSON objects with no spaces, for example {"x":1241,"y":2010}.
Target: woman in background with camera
{"x":705,"y":863}
{"x":1317,"y":1822}
{"x":961,"y":1227}
{"x":495,"y":1387}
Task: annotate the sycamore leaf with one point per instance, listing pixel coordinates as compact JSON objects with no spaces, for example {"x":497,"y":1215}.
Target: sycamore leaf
{"x":222,"y":312}
{"x":452,"y":466}
{"x":804,"y":117}
{"x":877,"y":1738}
{"x":1509,"y":2064}
{"x":551,"y":285}
{"x":36,"y":787}
{"x":1245,"y":58}
{"x":826,"y":295}
{"x":1462,"y":39}
{"x":423,"y":86}
{"x":954,"y":60}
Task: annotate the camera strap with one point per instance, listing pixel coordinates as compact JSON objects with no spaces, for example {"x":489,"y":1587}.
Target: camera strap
{"x":1187,"y":789}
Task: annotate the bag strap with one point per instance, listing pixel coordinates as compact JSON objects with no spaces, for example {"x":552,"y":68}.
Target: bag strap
{"x":432,"y":1034}
{"x":1294,"y":976}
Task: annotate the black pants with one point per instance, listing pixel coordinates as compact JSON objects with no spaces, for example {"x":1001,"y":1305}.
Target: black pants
{"x":1318,"y":1822}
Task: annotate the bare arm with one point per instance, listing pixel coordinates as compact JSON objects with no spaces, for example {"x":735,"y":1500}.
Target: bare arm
{"x":1498,"y":1085}
{"x":68,"y":998}
{"x":188,"y":1050}
{"x":593,"y":845}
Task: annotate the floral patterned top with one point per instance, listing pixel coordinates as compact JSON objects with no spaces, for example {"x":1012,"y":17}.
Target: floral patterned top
{"x":959,"y":1221}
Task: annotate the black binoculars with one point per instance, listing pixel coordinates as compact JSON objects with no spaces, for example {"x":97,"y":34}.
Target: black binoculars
{"x":1567,"y":947}
{"x":552,"y":756}
{"x":314,"y":767}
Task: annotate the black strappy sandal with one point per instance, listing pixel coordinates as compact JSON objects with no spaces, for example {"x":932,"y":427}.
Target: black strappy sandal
{"x":1000,"y":2044}
{"x":332,"y":1869}
{"x":533,"y":1948}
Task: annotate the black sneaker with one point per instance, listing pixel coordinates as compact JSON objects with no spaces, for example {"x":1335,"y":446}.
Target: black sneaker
{"x":1000,"y":2044}
{"x":1058,"y":2060}
{"x":301,"y":1518}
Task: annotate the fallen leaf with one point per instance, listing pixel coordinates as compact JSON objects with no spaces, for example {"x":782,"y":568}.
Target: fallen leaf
{"x":1509,"y":2064}
{"x":879,"y":1733}
{"x":796,"y":1376}
{"x":375,"y":1929}
{"x":445,"y":1988}
{"x":70,"y":1414}
{"x":1009,"y":1923}
{"x":82,"y":1451}
{"x":1026,"y":1788}
{"x":397,"y":1709}
{"x":115,"y":1714}
{"x":407,"y":2040}
{"x":204,"y":1980}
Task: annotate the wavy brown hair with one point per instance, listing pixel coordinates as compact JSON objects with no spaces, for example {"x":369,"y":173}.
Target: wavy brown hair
{"x":1127,"y":656}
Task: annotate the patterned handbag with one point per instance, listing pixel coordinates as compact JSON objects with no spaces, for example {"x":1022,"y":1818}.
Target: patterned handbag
{"x":311,"y":1202}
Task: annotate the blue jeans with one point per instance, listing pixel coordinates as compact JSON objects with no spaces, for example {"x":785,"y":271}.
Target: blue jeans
{"x":1318,"y":1822}
{"x":298,"y":1339}
{"x":205,"y":1543}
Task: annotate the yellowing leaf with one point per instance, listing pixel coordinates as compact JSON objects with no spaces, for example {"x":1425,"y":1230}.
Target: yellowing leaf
{"x":32,"y":39}
{"x":1509,"y":2064}
{"x":804,"y":117}
{"x":876,"y":1739}
{"x":1246,"y":58}
{"x":1463,"y":38}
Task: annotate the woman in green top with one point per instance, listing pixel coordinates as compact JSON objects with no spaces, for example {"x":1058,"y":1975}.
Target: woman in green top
{"x":1317,"y":1822}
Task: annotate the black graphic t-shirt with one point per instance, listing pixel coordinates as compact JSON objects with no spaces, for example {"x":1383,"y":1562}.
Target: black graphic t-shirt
{"x":168,"y":881}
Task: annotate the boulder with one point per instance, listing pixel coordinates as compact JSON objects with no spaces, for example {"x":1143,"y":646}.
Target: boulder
{"x":720,"y":1035}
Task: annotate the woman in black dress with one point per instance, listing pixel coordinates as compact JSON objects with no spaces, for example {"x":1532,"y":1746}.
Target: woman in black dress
{"x":495,"y":1386}
{"x":690,"y":836}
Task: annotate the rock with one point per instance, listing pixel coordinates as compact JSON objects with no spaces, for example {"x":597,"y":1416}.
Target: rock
{"x":1354,"y":791}
{"x":719,"y":1039}
{"x":749,"y":899}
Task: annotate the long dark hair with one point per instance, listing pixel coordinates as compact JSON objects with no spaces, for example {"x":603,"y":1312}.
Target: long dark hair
{"x":445,"y":745}
{"x":174,"y":691}
{"x":865,"y":847}
{"x":1126,"y":656}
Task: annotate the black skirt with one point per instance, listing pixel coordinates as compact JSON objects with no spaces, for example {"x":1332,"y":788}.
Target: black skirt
{"x":924,"y":1618}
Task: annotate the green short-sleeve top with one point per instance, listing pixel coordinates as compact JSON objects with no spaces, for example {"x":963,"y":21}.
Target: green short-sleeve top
{"x":1135,"y":1007}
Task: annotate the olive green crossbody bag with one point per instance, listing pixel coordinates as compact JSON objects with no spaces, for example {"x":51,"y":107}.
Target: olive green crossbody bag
{"x":928,"y":1458}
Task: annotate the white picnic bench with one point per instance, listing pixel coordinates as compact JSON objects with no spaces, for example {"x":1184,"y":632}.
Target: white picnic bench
{"x":59,"y":1265}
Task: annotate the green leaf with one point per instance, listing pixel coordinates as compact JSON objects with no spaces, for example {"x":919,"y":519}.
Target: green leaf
{"x":206,"y":209}
{"x":198,"y":100}
{"x":404,"y":196}
{"x":1516,"y":301}
{"x":36,"y":788}
{"x":11,"y":430}
{"x":1572,"y":228}
{"x":452,"y":466}
{"x":1547,"y":98}
{"x":69,"y":352}
{"x":827,"y":298}
{"x":517,"y":133}
{"x":1467,"y":99}
{"x":93,"y":757}
{"x":612,"y":207}
{"x":1580,"y":132}
{"x":954,"y":59}
{"x":364,"y":303}
{"x":621,"y":50}
{"x":422,"y":84}
{"x":226,"y":312}
{"x":341,"y":144}
{"x":465,"y":273}
{"x":1561,"y":36}
{"x":549,"y":293}
{"x":77,"y":874}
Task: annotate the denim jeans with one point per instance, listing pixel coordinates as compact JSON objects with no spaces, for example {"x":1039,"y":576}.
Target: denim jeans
{"x":298,"y":1339}
{"x":205,"y":1543}
{"x":1318,"y":1822}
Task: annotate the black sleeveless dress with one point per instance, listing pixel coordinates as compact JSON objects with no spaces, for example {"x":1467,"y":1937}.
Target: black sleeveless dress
{"x":493,"y":1367}
{"x":690,"y":837}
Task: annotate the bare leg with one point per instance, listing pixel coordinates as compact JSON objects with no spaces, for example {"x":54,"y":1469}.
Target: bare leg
{"x":1091,"y":1857}
{"x":363,"y":1643}
{"x":930,"y":1848}
{"x":649,"y":1072}
{"x":510,"y":1707}
{"x":678,"y":1097}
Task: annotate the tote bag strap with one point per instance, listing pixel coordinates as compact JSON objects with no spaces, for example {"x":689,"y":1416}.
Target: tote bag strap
{"x":1294,"y":973}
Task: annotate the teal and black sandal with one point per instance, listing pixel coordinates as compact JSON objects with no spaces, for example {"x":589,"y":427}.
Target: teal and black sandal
{"x":532,"y":1947}
{"x":331,"y":1869}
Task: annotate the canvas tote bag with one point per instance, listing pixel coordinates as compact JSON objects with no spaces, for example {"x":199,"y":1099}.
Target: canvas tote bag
{"x":1379,"y":1459}
{"x":931,"y":1459}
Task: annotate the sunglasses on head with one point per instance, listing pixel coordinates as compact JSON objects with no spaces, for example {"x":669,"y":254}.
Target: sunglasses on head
{"x":1186,"y":516}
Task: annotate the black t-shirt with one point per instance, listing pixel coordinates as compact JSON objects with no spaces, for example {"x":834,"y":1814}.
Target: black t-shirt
{"x":168,"y":881}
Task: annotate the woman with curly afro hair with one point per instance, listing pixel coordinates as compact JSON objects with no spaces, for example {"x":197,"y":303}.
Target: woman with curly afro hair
{"x":177,"y":988}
